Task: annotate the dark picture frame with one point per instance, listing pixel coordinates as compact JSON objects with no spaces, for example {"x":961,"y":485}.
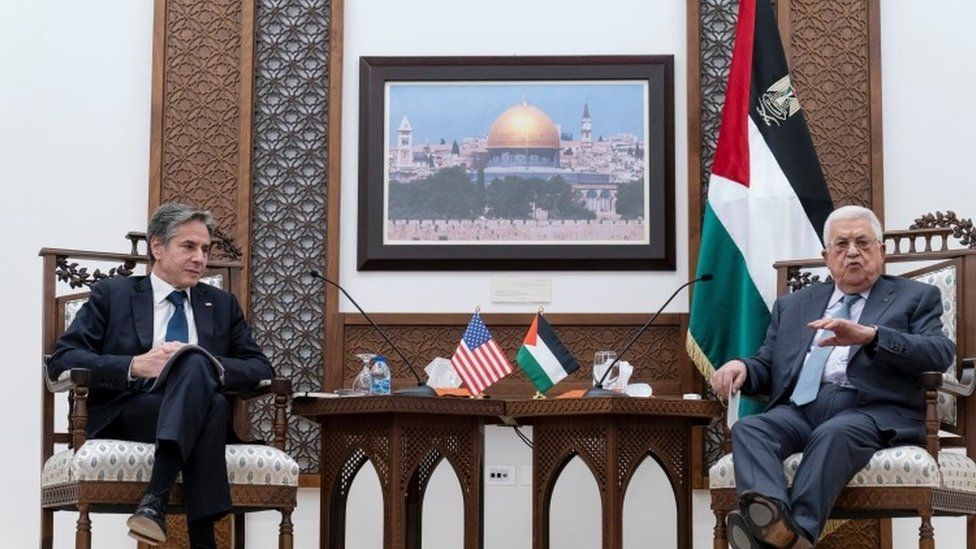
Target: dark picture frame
{"x":379,"y":247}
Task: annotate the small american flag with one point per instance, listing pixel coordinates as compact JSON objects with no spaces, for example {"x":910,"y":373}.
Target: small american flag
{"x":478,"y":359}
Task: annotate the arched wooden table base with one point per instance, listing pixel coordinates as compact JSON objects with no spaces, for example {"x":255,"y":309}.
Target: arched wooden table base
{"x":612,"y":436}
{"x":405,"y":439}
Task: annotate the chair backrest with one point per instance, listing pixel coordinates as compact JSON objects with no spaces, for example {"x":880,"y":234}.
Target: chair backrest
{"x":924,"y":255}
{"x":66,"y":284}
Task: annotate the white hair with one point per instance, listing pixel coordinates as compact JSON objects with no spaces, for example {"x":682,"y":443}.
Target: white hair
{"x":849,"y":213}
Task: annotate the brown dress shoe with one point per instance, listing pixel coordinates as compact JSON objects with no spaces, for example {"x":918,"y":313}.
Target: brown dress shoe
{"x":739,"y":535}
{"x":770,"y":521}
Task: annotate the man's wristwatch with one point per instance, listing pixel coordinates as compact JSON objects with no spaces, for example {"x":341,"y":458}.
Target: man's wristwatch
{"x":874,"y":340}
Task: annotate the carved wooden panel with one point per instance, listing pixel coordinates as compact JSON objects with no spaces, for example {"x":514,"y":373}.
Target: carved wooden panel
{"x":854,"y":534}
{"x":658,"y":356}
{"x":834,"y":66}
{"x":200,"y":148}
{"x":178,"y":538}
{"x":288,"y":226}
{"x":716,"y":34}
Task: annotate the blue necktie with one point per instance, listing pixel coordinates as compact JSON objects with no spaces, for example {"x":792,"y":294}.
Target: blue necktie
{"x":177,"y":329}
{"x":809,"y":383}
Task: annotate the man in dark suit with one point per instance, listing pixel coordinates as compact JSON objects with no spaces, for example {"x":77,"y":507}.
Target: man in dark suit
{"x":127,"y":331}
{"x":841,"y":364}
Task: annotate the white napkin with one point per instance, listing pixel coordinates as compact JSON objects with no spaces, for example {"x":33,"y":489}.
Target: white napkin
{"x":732,"y":415}
{"x":441,"y":374}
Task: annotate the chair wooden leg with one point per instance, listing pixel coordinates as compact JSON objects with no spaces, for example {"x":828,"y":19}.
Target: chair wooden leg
{"x":970,"y":531}
{"x":720,"y":537}
{"x":926,"y":534}
{"x":83,"y":530}
{"x":285,"y":539}
{"x":47,"y":529}
{"x":237,"y":530}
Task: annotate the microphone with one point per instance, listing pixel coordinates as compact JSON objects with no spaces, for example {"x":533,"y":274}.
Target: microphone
{"x":422,"y":389}
{"x":597,"y":391}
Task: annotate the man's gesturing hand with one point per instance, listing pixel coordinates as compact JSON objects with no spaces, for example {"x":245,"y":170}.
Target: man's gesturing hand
{"x":846,"y":332}
{"x":729,"y":378}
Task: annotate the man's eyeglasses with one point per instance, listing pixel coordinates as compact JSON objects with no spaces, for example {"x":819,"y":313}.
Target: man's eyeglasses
{"x":842,"y":244}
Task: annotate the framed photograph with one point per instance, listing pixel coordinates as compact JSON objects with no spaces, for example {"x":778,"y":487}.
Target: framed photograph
{"x":516,"y":163}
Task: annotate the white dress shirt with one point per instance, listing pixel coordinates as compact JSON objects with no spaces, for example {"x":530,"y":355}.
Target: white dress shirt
{"x":835,"y":371}
{"x":163,"y":311}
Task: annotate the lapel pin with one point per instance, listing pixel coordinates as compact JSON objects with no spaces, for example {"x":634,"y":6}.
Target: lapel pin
{"x":207,"y":304}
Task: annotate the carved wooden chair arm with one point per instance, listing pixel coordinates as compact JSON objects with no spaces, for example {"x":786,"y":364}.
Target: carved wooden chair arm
{"x":280,"y":388}
{"x":934,"y":382}
{"x":276,"y":386}
{"x":963,"y":384}
{"x":64,"y":383}
{"x":76,"y":382}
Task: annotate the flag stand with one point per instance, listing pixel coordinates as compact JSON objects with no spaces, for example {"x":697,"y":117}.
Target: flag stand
{"x":538,"y":396}
{"x":420,"y":390}
{"x":600,"y":392}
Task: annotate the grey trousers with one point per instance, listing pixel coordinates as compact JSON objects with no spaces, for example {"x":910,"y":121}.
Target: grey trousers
{"x":835,"y":438}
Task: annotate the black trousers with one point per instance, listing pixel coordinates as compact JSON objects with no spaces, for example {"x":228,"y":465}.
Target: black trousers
{"x":190,"y":411}
{"x":836,"y":439}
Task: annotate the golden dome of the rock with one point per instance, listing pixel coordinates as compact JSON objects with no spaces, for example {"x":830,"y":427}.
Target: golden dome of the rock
{"x":523,"y":127}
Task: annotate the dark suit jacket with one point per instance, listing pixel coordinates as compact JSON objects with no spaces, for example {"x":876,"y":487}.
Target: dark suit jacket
{"x":910,"y":341}
{"x":116,"y":323}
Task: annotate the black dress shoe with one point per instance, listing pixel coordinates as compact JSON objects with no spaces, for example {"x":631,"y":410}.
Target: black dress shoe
{"x":148,"y":523}
{"x":740,"y":537}
{"x":770,"y":521}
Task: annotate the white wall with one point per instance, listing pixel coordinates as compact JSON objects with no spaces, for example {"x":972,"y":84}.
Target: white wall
{"x":927,"y":53}
{"x":74,"y":157}
{"x":74,"y":123}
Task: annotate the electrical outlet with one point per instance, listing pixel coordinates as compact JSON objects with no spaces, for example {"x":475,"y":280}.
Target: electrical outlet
{"x":500,"y":475}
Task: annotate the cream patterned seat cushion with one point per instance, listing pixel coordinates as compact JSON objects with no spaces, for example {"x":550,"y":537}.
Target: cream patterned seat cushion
{"x":122,"y":460}
{"x":899,"y":466}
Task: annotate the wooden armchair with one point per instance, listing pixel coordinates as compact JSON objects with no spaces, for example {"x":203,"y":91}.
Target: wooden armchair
{"x":905,"y":481}
{"x":109,"y":476}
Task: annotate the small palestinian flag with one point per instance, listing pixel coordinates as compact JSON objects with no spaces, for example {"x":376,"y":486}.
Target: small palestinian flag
{"x":543,"y":357}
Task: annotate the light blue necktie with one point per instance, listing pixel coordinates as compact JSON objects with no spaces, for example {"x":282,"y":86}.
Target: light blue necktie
{"x":809,"y":383}
{"x":177,"y":329}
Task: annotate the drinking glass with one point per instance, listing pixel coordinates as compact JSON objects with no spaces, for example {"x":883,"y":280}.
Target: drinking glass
{"x":601,"y":361}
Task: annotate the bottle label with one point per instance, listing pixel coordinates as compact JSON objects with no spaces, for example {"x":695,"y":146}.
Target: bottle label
{"x":380,"y":387}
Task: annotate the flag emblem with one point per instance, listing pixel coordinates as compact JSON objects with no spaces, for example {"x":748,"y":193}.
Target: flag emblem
{"x":478,"y":359}
{"x":779,"y":102}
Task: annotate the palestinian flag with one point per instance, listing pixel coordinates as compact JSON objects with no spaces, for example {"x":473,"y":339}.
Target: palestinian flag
{"x":543,"y":357}
{"x":767,"y":198}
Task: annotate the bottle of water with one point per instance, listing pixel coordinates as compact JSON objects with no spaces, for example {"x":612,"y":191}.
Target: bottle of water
{"x":380,"y":374}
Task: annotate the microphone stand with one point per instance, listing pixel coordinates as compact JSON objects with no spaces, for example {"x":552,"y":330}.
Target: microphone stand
{"x":422,"y":389}
{"x":597,"y":391}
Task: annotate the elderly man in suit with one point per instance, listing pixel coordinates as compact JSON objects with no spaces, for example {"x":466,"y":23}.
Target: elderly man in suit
{"x":126,"y":333}
{"x":841,"y":364}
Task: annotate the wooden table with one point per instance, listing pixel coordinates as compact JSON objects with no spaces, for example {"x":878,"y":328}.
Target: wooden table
{"x":405,"y":438}
{"x":612,"y":435}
